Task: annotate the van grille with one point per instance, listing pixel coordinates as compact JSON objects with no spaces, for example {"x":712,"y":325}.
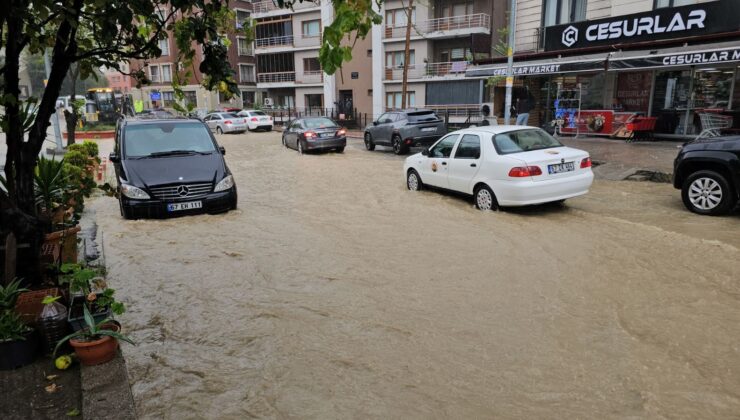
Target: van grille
{"x":175,"y":192}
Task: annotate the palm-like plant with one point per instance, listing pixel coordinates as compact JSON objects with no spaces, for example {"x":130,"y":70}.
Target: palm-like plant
{"x":49,"y":182}
{"x":9,"y":294}
{"x":93,"y":331}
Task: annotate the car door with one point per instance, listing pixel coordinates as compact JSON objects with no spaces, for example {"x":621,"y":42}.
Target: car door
{"x":291,"y":134}
{"x":465,"y":163}
{"x":435,"y":168}
{"x":382,"y":131}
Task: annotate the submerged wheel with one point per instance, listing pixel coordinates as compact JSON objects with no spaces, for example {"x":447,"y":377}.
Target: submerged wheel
{"x":484,"y":198}
{"x":219,"y":130}
{"x":708,"y":193}
{"x":413,"y":181}
{"x":398,"y":147}
{"x":299,"y":147}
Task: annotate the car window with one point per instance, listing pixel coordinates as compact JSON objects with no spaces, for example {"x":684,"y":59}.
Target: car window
{"x":524,"y":140}
{"x":294,"y":125}
{"x":145,"y":139}
{"x":257,"y":113}
{"x":207,"y":118}
{"x":319,"y":123}
{"x":423,"y":116}
{"x":469,"y":147}
{"x":382,"y":118}
{"x":443,"y":148}
{"x":230,"y":116}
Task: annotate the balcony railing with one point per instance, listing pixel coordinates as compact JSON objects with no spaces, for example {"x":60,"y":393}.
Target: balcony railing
{"x":474,"y":21}
{"x":278,"y":41}
{"x":311,"y":77}
{"x":286,"y":76}
{"x":428,"y":70}
{"x":248,"y":51}
{"x":307,"y":41}
{"x":265,"y":6}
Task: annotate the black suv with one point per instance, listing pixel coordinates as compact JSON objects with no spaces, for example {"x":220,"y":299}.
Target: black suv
{"x":170,"y":166}
{"x":404,"y":129}
{"x":707,"y":172}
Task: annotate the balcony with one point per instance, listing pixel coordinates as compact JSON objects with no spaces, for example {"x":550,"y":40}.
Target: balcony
{"x":307,"y":41}
{"x":274,"y":42}
{"x":311,"y":77}
{"x":245,"y":51}
{"x":265,"y":7}
{"x":448,"y":27}
{"x":445,"y":70}
{"x":281,"y":77}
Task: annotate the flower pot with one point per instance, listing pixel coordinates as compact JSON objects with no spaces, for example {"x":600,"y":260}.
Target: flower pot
{"x":18,"y":353}
{"x":67,"y":240}
{"x":95,"y":352}
{"x":76,"y":317}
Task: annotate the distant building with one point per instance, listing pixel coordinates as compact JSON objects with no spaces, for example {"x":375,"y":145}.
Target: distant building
{"x":118,"y":81}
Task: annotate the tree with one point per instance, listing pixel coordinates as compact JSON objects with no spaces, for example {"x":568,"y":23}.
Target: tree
{"x":119,"y":31}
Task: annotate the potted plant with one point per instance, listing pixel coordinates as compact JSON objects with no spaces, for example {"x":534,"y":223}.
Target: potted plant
{"x":87,"y":289}
{"x":18,"y":342}
{"x":97,"y":342}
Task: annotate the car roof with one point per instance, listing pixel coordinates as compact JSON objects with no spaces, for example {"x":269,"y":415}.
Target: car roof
{"x":494,"y":129}
{"x":174,"y":119}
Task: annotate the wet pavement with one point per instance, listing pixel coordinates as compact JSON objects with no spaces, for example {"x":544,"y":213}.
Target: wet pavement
{"x":335,"y":293}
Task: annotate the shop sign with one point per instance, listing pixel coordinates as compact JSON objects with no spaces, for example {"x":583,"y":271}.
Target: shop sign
{"x":536,"y":69}
{"x":666,"y":23}
{"x":680,"y":59}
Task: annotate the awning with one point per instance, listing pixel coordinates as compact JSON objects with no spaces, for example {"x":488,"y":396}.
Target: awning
{"x":707,"y":54}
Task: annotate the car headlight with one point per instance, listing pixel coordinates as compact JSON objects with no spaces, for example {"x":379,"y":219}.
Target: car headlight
{"x":225,"y":184}
{"x":134,"y":192}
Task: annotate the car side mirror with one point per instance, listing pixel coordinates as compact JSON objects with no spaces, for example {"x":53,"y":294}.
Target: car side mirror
{"x":222,"y":150}
{"x":376,"y":122}
{"x":425,"y":152}
{"x":113,"y":157}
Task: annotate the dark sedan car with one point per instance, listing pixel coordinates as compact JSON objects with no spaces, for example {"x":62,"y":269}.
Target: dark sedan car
{"x":404,"y":129}
{"x":169,"y":167}
{"x":707,"y":172}
{"x":316,"y":133}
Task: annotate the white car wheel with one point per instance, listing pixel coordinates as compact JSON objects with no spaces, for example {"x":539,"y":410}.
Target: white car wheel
{"x":484,"y":199}
{"x":413,"y":182}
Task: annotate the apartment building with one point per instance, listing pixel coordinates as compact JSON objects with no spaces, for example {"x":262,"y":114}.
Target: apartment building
{"x":669,"y":60}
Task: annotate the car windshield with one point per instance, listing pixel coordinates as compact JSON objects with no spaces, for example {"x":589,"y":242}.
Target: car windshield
{"x":524,"y":140}
{"x":144,"y":140}
{"x":229,"y":115}
{"x":429,"y":116}
{"x":319,"y":123}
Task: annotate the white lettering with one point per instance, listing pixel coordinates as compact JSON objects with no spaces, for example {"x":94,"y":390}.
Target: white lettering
{"x":658,"y":29}
{"x":736,"y":55}
{"x":676,"y":24}
{"x":630,"y":32}
{"x":645,"y":25}
{"x":615,"y":30}
{"x":696,"y":18}
{"x":589,"y":32}
{"x":603,"y":31}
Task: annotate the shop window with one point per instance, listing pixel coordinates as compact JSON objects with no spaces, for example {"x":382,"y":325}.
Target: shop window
{"x":736,"y":94}
{"x":670,"y":100}
{"x":592,"y":91}
{"x":633,"y":92}
{"x":712,"y":88}
{"x":671,"y":3}
{"x":556,"y":12}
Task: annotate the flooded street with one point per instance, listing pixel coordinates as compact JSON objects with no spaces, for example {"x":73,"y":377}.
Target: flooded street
{"x":335,"y":293}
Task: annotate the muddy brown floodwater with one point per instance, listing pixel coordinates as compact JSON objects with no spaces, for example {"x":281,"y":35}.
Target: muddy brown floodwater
{"x":335,"y":293}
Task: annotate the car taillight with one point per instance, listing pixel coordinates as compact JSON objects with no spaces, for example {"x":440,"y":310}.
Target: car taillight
{"x":254,"y":119}
{"x":309,"y":135}
{"x":228,"y":122}
{"x":586,"y":163}
{"x":341,"y":132}
{"x":525,"y":171}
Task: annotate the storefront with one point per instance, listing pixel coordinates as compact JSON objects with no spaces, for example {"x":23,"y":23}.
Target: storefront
{"x":672,"y":84}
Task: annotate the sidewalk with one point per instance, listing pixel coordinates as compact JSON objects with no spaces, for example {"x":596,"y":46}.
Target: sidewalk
{"x":616,"y":159}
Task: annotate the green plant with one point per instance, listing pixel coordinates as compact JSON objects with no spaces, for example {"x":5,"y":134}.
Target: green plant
{"x":12,"y":327}
{"x":77,"y":158}
{"x":77,"y":276}
{"x":93,"y":331}
{"x":106,"y":299}
{"x":9,"y":294}
{"x":49,"y":183}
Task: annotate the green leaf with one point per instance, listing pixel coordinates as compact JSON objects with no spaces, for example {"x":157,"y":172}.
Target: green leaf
{"x":73,"y":412}
{"x":116,"y":335}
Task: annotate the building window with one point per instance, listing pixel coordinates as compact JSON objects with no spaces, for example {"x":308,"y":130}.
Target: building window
{"x":454,"y":54}
{"x":154,"y":74}
{"x":191,"y":97}
{"x":393,"y":100}
{"x":369,"y":92}
{"x":243,"y":47}
{"x":311,"y":64}
{"x":397,"y":17}
{"x":241,"y":17}
{"x":314,"y":100}
{"x":556,"y":12}
{"x":394,"y":59}
{"x":246,"y":73}
{"x":164,"y":45}
{"x":247,"y":99}
{"x":166,"y":73}
{"x":671,"y":3}
{"x":311,"y":28}
{"x":168,"y":98}
{"x":459,"y":9}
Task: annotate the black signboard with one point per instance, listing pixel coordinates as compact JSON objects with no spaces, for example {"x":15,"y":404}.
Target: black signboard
{"x":665,"y":23}
{"x":355,"y":75}
{"x":536,"y":69}
{"x":712,"y":57}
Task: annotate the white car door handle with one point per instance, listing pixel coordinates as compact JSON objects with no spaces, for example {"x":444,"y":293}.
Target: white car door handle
{"x":473,"y":165}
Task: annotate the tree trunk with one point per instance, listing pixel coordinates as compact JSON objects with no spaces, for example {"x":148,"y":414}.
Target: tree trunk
{"x":404,"y":84}
{"x":71,"y":117}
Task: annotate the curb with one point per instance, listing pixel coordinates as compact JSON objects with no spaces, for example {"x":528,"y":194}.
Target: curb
{"x":106,"y":391}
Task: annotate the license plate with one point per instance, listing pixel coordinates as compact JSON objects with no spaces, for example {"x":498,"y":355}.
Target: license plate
{"x":184,"y":206}
{"x":324,"y":135}
{"x":561,"y":167}
{"x":429,"y":129}
{"x":263,"y":119}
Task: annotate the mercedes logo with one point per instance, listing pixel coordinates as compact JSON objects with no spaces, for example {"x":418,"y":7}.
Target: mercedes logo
{"x":183,"y":191}
{"x":570,"y":36}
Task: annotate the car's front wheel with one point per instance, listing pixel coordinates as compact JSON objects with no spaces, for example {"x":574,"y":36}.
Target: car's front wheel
{"x":369,"y":145}
{"x":708,"y":193}
{"x":413,"y":181}
{"x":484,"y":198}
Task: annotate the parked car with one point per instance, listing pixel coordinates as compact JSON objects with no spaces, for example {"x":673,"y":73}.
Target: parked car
{"x":404,"y":129}
{"x":170,"y":166}
{"x":256,"y":120}
{"x":502,"y":166}
{"x":707,"y":171}
{"x":225,"y":122}
{"x":314,"y":133}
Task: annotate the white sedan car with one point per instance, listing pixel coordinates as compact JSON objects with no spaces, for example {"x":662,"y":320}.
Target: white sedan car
{"x":502,"y":166}
{"x":256,"y":120}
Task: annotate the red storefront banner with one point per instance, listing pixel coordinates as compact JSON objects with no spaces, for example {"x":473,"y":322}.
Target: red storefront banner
{"x":600,"y":122}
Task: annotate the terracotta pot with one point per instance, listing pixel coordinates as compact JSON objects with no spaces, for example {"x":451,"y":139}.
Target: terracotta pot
{"x":95,"y":352}
{"x":69,"y":247}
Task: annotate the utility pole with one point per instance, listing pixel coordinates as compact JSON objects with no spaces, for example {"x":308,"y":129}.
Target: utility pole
{"x":510,"y":65}
{"x":404,"y":84}
{"x":55,"y":118}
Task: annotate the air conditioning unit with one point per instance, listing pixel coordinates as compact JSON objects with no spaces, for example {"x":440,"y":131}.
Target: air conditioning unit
{"x":488,"y":117}
{"x":268,"y":102}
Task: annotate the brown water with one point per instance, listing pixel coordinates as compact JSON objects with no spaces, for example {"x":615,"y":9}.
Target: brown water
{"x":334,"y":293}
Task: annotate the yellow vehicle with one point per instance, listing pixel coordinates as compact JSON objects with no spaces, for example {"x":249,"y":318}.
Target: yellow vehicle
{"x":106,"y":105}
